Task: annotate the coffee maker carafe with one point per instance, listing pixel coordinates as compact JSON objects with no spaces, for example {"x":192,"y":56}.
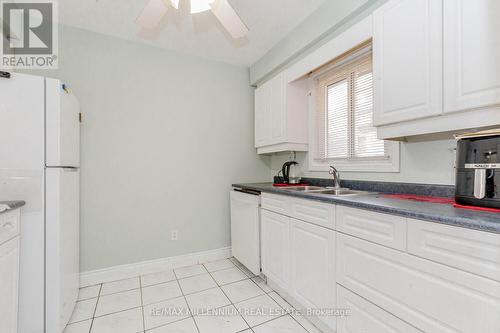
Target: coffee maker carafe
{"x":290,"y":171}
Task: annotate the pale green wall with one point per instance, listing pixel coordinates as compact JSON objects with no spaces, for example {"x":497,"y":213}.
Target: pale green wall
{"x":164,"y":136}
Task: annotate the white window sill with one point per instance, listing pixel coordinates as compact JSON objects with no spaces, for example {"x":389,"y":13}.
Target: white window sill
{"x":382,"y":165}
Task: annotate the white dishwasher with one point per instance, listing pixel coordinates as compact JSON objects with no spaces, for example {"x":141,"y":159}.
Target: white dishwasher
{"x":245,"y":228}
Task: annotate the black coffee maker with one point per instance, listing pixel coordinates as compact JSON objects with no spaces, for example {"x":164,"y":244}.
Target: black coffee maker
{"x":478,"y":170}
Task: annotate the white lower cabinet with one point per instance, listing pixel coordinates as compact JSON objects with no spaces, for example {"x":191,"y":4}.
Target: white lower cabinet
{"x":383,"y":229}
{"x":393,"y":274}
{"x":366,"y":317}
{"x":275,"y":230}
{"x":312,"y":250}
{"x":298,"y":259}
{"x":473,"y":251}
{"x":432,"y":297}
{"x":9,"y":282}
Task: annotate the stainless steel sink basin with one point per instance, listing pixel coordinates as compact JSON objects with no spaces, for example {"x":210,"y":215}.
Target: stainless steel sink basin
{"x":326,"y":191}
{"x":341,"y":192}
{"x":304,"y":188}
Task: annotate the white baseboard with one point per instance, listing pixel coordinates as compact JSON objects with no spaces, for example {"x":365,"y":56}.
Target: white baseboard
{"x":121,"y":272}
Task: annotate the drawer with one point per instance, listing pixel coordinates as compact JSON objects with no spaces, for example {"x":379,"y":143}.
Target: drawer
{"x":383,"y":229}
{"x":275,"y":203}
{"x":319,"y":213}
{"x":469,"y":250}
{"x":367,"y":317}
{"x":432,"y":297}
{"x":9,"y":225}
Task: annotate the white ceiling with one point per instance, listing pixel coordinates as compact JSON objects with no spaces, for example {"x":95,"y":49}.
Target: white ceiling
{"x":201,"y":34}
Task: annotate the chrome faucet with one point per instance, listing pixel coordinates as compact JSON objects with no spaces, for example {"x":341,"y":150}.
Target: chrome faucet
{"x":336,"y":176}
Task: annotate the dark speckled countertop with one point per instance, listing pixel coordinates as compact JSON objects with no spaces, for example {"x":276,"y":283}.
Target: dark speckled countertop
{"x":12,"y":205}
{"x":441,"y":213}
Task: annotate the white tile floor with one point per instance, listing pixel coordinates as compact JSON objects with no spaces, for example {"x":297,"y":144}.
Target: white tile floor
{"x":171,"y":301}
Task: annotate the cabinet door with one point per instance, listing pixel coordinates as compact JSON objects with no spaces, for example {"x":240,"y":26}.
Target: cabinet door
{"x":367,"y":317}
{"x":312,"y":250}
{"x":407,"y":53}
{"x":262,"y":123}
{"x":9,"y":282}
{"x":432,"y":297}
{"x":275,"y":248}
{"x":277,"y":108}
{"x":469,"y":250}
{"x":471,"y":54}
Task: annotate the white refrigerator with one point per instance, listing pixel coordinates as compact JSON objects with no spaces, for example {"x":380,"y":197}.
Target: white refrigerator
{"x":39,"y":163}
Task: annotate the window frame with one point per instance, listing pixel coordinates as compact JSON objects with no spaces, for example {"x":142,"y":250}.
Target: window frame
{"x":391,"y":163}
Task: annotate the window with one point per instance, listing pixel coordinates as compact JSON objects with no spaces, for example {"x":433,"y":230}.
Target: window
{"x":344,"y":107}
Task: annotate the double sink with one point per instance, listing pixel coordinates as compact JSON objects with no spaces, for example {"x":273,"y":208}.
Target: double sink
{"x":326,"y":191}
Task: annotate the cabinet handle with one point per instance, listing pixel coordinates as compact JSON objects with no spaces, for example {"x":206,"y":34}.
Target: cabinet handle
{"x":8,"y":226}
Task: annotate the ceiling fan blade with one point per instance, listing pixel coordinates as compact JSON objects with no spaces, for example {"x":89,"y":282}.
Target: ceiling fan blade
{"x":152,"y":14}
{"x":229,"y":18}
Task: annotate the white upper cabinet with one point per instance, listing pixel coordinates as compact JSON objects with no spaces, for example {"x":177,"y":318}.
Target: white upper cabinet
{"x":280,"y":116}
{"x":471,"y":54}
{"x":262,"y":125}
{"x":407,"y":57}
{"x":277,"y":108}
{"x":436,"y":66}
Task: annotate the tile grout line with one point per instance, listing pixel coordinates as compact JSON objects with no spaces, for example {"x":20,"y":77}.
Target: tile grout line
{"x":231,"y":302}
{"x":218,"y":286}
{"x":290,"y":314}
{"x":95,"y":309}
{"x":123,"y":310}
{"x":267,"y":293}
{"x":119,"y":292}
{"x":185,"y":300}
{"x":99,"y":296}
{"x":142,"y":305}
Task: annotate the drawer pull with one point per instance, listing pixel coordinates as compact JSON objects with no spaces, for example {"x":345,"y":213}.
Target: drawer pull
{"x":8,"y":226}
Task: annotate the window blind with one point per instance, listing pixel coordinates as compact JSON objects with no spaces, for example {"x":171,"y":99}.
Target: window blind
{"x":345,"y":108}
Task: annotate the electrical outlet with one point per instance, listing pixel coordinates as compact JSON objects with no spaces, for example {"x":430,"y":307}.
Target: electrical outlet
{"x":174,"y":235}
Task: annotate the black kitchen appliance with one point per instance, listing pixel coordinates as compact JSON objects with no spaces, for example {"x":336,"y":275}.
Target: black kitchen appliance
{"x":289,"y":174}
{"x":478,"y":170}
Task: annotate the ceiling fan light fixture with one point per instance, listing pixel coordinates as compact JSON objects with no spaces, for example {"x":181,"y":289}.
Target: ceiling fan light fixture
{"x":175,"y":3}
{"x":198,"y":6}
{"x":152,"y":14}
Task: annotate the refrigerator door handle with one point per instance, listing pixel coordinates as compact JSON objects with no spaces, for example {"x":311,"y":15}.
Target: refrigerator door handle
{"x":70,"y":169}
{"x":64,"y":168}
{"x":5,"y":75}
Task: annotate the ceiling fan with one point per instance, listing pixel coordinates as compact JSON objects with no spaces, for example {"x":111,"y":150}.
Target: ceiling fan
{"x":155,"y":10}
